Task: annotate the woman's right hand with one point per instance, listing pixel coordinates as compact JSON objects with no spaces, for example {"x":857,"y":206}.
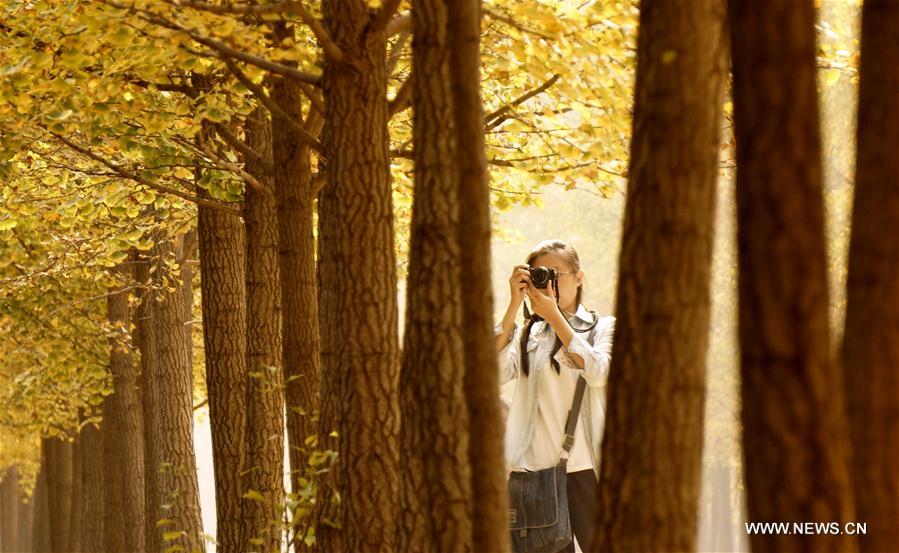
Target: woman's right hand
{"x":518,"y":283}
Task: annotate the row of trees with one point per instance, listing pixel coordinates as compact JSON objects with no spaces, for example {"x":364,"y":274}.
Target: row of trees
{"x":290,"y":173}
{"x":153,"y":132}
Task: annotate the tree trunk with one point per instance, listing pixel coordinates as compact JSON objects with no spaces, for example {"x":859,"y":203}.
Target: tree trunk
{"x":145,"y":341}
{"x":26,"y":519}
{"x":871,"y":338}
{"x":10,"y":498}
{"x":490,"y":530}
{"x":177,"y":474}
{"x":357,"y":305}
{"x":128,"y":455}
{"x":651,"y":458}
{"x":264,"y":464}
{"x":299,"y":292}
{"x":92,"y":482}
{"x":795,"y":435}
{"x":435,"y":487}
{"x":222,"y":268}
{"x":59,"y":493}
{"x":40,"y":528}
{"x":113,"y":425}
{"x":77,"y":509}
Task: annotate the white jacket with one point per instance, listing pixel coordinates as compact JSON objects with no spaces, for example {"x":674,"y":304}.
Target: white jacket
{"x":523,"y":409}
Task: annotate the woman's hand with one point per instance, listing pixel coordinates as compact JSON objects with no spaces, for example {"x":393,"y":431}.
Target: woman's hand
{"x":518,"y":283}
{"x":542,"y":304}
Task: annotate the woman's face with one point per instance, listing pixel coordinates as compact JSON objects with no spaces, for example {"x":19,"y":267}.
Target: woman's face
{"x":568,"y":280}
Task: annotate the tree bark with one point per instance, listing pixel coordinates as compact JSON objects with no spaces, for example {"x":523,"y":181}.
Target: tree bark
{"x":145,"y":341}
{"x":436,"y":501}
{"x":651,"y":458}
{"x":114,"y":420}
{"x":795,"y":435}
{"x":871,"y":338}
{"x":223,"y":286}
{"x":59,"y":493}
{"x":92,"y":482}
{"x":76,"y":511}
{"x":40,"y":528}
{"x":299,"y":292}
{"x":490,"y":530}
{"x":264,"y":464}
{"x":177,"y":473}
{"x":357,"y":305}
{"x":127,"y":455}
{"x":10,"y":498}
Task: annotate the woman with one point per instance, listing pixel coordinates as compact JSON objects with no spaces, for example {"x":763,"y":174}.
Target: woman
{"x":547,"y":356}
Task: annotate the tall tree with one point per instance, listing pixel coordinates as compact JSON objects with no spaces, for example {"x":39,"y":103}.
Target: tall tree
{"x":436,"y":501}
{"x":652,"y":453}
{"x":114,"y":417}
{"x":485,"y":452}
{"x":264,"y":461}
{"x":145,"y":342}
{"x":40,"y":527}
{"x":59,"y":493}
{"x":222,"y":246}
{"x":126,"y":416}
{"x":77,"y":508}
{"x":795,"y":435}
{"x":871,"y":338}
{"x":92,"y":483}
{"x":357,"y":270}
{"x":10,"y":498}
{"x":295,"y":196}
{"x":177,"y":471}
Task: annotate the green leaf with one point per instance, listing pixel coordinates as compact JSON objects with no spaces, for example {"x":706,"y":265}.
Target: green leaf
{"x":169,"y":536}
{"x":254,"y":495}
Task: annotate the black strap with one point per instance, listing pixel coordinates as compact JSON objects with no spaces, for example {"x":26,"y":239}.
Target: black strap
{"x":571,"y":423}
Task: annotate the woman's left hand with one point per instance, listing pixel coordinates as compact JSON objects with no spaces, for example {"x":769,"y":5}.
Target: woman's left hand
{"x":542,"y":304}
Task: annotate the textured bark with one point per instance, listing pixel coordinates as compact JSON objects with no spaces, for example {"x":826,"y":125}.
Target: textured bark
{"x":145,"y":341}
{"x":128,"y":456}
{"x":114,"y":421}
{"x":435,"y":487}
{"x":59,"y":493}
{"x":92,"y":482}
{"x":10,"y":498}
{"x":357,"y":304}
{"x":77,"y":510}
{"x":490,"y":531}
{"x":222,"y":267}
{"x":651,"y":459}
{"x":795,"y":435}
{"x":871,"y":339}
{"x":26,"y":518}
{"x":264,"y":463}
{"x":299,"y":292}
{"x":40,"y":527}
{"x":177,"y":473}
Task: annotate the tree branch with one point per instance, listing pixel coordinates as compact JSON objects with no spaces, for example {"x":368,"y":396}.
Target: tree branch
{"x":140,"y":180}
{"x":497,"y":117}
{"x":399,"y":24}
{"x":274,"y":108}
{"x":243,"y":148}
{"x":402,"y":99}
{"x":397,"y":50}
{"x":383,"y":16}
{"x":222,"y":49}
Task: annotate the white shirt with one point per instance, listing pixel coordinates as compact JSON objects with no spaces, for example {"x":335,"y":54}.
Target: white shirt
{"x":540,"y":402}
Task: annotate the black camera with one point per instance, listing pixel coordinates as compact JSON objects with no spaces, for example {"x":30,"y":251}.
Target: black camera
{"x":541,"y":276}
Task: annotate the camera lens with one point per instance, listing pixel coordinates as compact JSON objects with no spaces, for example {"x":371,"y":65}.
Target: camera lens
{"x":539,"y":276}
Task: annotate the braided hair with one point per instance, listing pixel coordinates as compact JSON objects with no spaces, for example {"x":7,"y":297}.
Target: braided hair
{"x":567,"y":252}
